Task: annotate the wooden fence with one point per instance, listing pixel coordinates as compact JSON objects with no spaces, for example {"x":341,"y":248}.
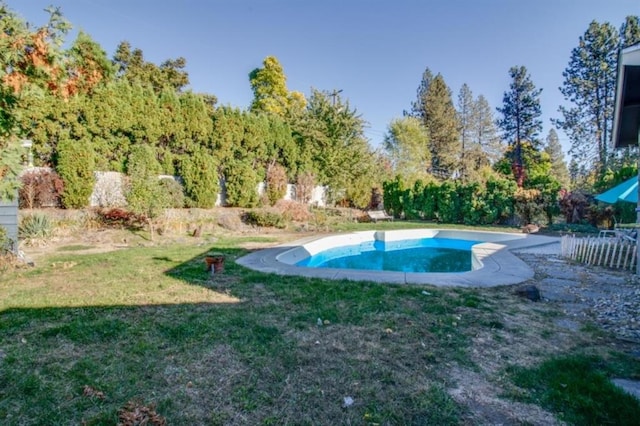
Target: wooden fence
{"x":600,"y":251}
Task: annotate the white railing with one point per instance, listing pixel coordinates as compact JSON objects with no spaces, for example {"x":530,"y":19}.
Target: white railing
{"x":609,"y":252}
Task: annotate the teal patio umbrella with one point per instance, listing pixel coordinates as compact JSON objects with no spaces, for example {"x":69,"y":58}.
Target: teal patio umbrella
{"x":626,"y":191}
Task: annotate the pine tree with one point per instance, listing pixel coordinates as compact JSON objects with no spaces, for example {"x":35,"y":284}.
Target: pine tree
{"x":418,"y":106}
{"x":466,"y":121}
{"x":442,"y":125}
{"x":589,"y":84}
{"x":558,"y":166}
{"x":520,"y":120}
{"x":630,"y":32}
{"x":485,"y":131}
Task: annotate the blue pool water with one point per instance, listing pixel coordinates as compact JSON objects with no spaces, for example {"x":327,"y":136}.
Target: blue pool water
{"x":420,"y":255}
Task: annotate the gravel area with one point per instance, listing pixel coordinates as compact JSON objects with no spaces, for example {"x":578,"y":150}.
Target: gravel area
{"x":609,"y":297}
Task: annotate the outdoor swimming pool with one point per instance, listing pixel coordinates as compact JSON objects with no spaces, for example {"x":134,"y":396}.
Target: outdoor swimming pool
{"x":492,"y":262}
{"x":419,"y":255}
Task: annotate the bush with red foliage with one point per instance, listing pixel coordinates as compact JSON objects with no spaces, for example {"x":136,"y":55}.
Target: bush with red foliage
{"x":574,"y":206}
{"x":120,"y":218}
{"x":40,"y":188}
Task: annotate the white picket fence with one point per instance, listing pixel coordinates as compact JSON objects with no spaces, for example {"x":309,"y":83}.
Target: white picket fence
{"x":600,"y":251}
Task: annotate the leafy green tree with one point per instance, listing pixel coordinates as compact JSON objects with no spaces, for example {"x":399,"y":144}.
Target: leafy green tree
{"x":28,"y":59}
{"x":75,"y":166}
{"x":520,"y":120}
{"x":589,"y":85}
{"x":558,"y":166}
{"x":333,"y":135}
{"x":442,"y":125}
{"x":269,"y":85}
{"x":407,"y":144}
{"x":542,"y":179}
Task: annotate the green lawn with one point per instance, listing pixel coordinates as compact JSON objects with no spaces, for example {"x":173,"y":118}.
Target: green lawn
{"x":83,"y":335}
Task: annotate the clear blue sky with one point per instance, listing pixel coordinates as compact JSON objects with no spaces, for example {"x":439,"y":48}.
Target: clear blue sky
{"x":373,"y":50}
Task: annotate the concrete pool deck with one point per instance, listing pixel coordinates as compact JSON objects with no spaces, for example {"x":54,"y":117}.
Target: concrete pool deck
{"x":494,"y":261}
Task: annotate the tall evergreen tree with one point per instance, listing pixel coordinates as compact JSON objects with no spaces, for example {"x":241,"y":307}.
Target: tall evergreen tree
{"x":630,"y":31}
{"x":558,"y":166}
{"x":442,"y":125}
{"x":418,"y":106}
{"x":485,"y":131}
{"x":131,"y":65}
{"x":589,"y":84}
{"x":520,"y":120}
{"x":466,"y":121}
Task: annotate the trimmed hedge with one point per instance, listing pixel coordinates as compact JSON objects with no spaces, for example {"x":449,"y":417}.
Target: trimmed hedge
{"x":451,"y":201}
{"x":75,"y":166}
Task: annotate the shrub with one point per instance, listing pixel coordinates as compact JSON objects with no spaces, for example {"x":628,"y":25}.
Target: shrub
{"x":292,"y":210}
{"x":528,"y":204}
{"x":145,"y":196}
{"x":392,"y":194}
{"x":499,"y":199}
{"x":109,"y":190}
{"x":118,"y":217}
{"x":276,"y":183}
{"x":574,"y":206}
{"x":472,"y":203}
{"x":200,"y":175}
{"x":34,"y":226}
{"x":375,"y":203}
{"x":447,"y":202}
{"x":230,"y":221}
{"x":304,"y":187}
{"x":429,"y":195}
{"x":40,"y":188}
{"x":241,"y":183}
{"x":264,"y":219}
{"x":573,"y":228}
{"x":358,"y":192}
{"x":417,"y":201}
{"x":75,"y":166}
{"x":174,"y":192}
{"x":4,"y":240}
